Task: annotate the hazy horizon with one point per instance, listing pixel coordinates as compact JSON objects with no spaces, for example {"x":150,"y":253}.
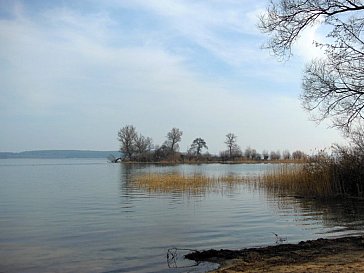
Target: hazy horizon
{"x":73,"y":73}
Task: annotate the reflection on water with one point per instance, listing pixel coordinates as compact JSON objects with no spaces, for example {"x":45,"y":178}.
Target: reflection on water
{"x":338,"y":216}
{"x":89,"y":216}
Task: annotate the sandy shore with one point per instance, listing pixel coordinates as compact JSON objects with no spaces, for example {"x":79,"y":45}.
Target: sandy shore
{"x":321,"y":255}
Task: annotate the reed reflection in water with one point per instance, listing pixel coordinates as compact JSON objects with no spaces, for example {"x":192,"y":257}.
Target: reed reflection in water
{"x":337,"y":216}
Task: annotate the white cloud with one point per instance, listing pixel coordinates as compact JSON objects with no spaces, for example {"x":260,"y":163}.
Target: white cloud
{"x":217,"y":26}
{"x":76,"y":73}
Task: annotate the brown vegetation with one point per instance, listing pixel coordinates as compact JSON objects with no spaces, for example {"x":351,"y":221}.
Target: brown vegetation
{"x":322,"y":176}
{"x":300,"y":179}
{"x":175,"y":182}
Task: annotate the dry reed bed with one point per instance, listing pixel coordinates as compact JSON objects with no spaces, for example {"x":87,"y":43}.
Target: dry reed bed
{"x":321,"y":177}
{"x":194,"y":183}
{"x":309,"y":179}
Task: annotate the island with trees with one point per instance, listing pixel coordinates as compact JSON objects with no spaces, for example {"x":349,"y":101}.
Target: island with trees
{"x":135,"y":147}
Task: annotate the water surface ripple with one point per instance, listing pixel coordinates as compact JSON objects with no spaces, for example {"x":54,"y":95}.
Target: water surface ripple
{"x":87,"y":216}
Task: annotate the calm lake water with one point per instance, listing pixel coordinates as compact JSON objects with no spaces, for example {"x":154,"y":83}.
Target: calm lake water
{"x":85,"y":215}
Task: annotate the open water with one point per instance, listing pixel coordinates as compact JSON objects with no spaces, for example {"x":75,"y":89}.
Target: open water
{"x":85,"y":215}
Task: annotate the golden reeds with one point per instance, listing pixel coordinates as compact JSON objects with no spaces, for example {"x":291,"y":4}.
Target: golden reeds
{"x":309,"y":179}
{"x":176,"y":182}
{"x":320,"y":177}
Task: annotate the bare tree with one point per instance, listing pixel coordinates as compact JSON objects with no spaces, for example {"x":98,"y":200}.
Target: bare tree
{"x":173,"y":137}
{"x":127,"y":136}
{"x":275,"y":155}
{"x":143,"y":145}
{"x":286,"y":154}
{"x":258,"y":156}
{"x":197,"y":145}
{"x":356,"y":137}
{"x":333,"y":86}
{"x":298,"y":155}
{"x":248,"y":152}
{"x":265,"y":154}
{"x":253,"y":154}
{"x":231,"y":144}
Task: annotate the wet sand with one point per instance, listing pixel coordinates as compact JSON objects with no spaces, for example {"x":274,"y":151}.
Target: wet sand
{"x":321,"y":255}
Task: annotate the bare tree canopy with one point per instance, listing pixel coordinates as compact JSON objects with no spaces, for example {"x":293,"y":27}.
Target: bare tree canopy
{"x":127,"y":136}
{"x":197,"y":145}
{"x":132,"y":146}
{"x":143,"y":144}
{"x":173,"y":137}
{"x":231,"y":144}
{"x":285,"y":20}
{"x":356,"y":137}
{"x":333,"y":86}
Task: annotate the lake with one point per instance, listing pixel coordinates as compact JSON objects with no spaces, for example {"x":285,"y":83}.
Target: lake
{"x":86,"y":215}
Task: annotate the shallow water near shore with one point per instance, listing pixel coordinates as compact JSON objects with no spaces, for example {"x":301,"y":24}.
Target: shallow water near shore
{"x":86,"y":215}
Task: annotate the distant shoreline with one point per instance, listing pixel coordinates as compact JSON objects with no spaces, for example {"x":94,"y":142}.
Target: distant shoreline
{"x":58,"y":154}
{"x":231,"y":162}
{"x":69,"y":154}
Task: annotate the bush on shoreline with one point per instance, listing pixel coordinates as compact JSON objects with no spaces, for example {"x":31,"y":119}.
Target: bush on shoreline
{"x":322,"y":176}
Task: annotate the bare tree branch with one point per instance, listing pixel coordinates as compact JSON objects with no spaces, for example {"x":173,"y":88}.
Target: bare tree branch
{"x":333,"y":85}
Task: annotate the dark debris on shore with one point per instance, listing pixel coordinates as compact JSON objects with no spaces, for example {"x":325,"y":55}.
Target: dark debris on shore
{"x":300,"y":252}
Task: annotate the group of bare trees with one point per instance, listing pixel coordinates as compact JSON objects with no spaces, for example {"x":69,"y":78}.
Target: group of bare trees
{"x":132,"y":145}
{"x":136,"y":147}
{"x":234,"y":152}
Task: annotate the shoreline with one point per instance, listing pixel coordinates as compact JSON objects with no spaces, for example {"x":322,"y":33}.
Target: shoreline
{"x":237,"y":162}
{"x":344,"y":254}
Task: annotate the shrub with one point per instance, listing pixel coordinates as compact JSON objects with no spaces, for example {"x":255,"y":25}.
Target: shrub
{"x":323,"y":176}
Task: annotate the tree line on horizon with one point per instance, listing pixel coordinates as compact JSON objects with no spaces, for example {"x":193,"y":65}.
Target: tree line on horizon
{"x":136,"y":147}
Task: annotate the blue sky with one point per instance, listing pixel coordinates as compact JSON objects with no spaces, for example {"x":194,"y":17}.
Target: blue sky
{"x":72,"y":73}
